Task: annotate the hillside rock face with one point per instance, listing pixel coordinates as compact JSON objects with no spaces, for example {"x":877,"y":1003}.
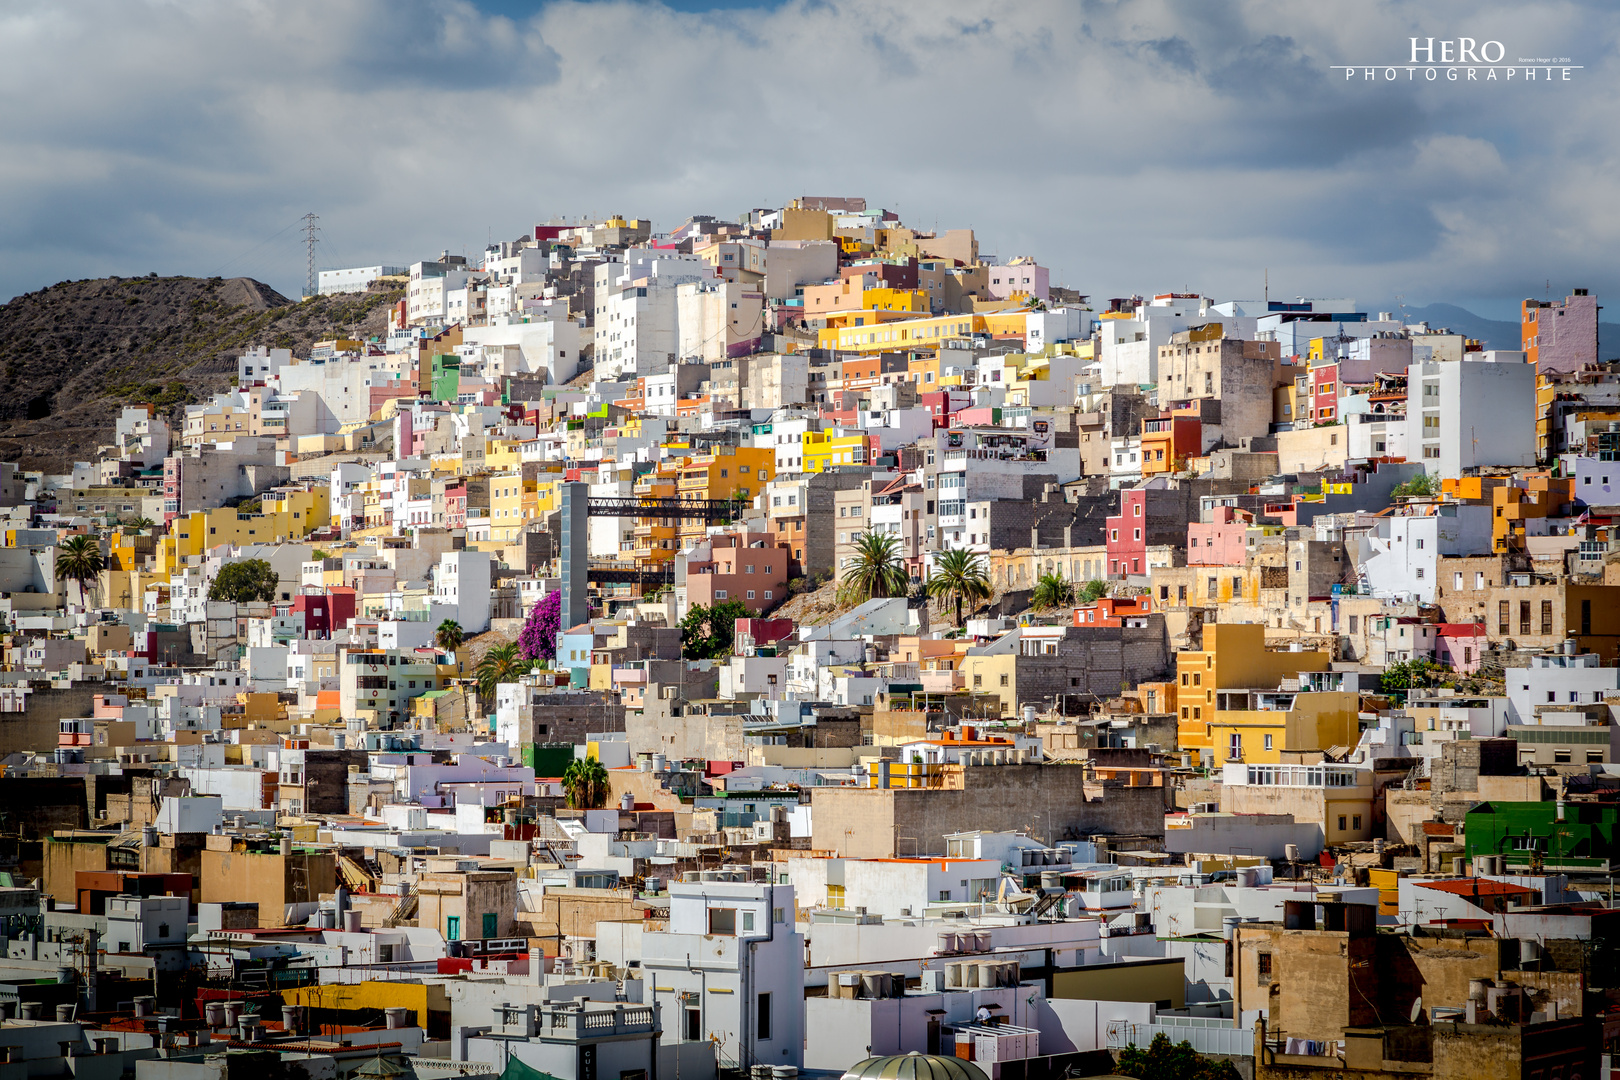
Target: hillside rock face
{"x":74,"y":354}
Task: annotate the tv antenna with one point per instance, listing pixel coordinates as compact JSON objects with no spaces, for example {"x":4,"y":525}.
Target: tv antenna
{"x":310,"y":240}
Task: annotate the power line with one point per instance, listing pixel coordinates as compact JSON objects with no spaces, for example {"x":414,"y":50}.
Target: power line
{"x":291,"y":225}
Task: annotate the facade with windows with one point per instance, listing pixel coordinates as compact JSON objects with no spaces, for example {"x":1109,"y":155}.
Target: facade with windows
{"x":1338,"y":799}
{"x":728,"y":970}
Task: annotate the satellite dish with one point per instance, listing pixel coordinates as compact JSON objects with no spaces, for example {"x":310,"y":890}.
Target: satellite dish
{"x":1417,"y":1009}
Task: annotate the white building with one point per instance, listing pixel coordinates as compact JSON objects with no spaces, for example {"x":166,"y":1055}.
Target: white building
{"x":1400,"y":559}
{"x":637,"y":324}
{"x":355,"y":279}
{"x":1556,"y":679}
{"x":1462,"y":414}
{"x":141,"y":435}
{"x":461,"y":581}
{"x":730,"y":968}
{"x":1129,"y":348}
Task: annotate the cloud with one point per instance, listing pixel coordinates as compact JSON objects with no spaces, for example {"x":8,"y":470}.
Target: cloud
{"x":1133,"y":146}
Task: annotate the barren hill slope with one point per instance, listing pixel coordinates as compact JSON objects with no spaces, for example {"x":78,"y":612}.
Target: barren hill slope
{"x":73,"y":354}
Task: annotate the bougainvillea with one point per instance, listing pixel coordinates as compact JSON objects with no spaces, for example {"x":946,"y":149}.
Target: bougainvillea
{"x":538,"y":639}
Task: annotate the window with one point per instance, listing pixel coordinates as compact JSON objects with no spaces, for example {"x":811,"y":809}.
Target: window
{"x":748,"y":921}
{"x":762,"y":1028}
{"x":723,"y":921}
{"x":1263,"y":967}
{"x":452,"y":928}
{"x":1003,"y":680}
{"x":1234,"y":746}
{"x":1355,"y":822}
{"x":1546,"y":617}
{"x":835,"y":896}
{"x":1268,"y":742}
{"x":1561,"y":757}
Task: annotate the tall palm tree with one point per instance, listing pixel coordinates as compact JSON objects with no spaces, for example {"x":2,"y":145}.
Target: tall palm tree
{"x":501,"y":664}
{"x":958,"y":576}
{"x":138,"y":524}
{"x":79,"y":560}
{"x":1052,"y":590}
{"x":585,"y":784}
{"x":449,"y":636}
{"x":877,"y":571}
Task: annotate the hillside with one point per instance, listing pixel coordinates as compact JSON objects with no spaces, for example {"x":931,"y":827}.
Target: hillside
{"x":74,"y":354}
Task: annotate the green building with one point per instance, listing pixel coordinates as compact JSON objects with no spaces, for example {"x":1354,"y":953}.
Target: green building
{"x":446,"y":377}
{"x":1550,"y":836}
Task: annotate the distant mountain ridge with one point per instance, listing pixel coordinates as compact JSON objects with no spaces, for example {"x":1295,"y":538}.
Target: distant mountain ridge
{"x":1495,"y":333}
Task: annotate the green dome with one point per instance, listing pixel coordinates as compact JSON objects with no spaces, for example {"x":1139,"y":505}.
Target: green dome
{"x":914,"y":1066}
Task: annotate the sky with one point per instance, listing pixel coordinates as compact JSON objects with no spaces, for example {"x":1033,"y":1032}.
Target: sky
{"x":1133,"y":146}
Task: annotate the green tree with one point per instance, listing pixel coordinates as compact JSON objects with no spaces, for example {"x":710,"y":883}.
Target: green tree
{"x":79,"y":560}
{"x":585,"y":784}
{"x":501,"y":664}
{"x":139,"y":524}
{"x":1052,"y":590}
{"x":708,"y":633}
{"x":1404,"y":675}
{"x":1163,"y":1060}
{"x":876,"y":571}
{"x":449,"y":636}
{"x":1420,"y":486}
{"x":244,"y":581}
{"x":958,"y":577}
{"x":1092,"y":590}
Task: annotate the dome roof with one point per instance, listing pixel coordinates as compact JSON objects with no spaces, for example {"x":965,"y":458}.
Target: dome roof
{"x":914,"y":1066}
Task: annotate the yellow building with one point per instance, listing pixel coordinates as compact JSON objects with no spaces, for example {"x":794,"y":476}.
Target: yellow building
{"x":511,"y":505}
{"x":729,"y":472}
{"x":823,"y":449}
{"x":906,"y":334}
{"x":283,"y":517}
{"x":1317,"y":721}
{"x":1234,"y":658}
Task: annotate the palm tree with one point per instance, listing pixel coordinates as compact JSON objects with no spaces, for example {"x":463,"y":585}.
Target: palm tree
{"x":1052,"y":590}
{"x":449,"y":636}
{"x":501,"y":664}
{"x":138,"y":524}
{"x":877,"y":571}
{"x":80,"y":560}
{"x":958,"y":576}
{"x":585,"y":784}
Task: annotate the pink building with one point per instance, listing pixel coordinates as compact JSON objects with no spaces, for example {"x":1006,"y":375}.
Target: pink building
{"x":1022,"y":276}
{"x":736,"y":566}
{"x":1221,"y":542}
{"x":1461,"y":645}
{"x":1560,"y":337}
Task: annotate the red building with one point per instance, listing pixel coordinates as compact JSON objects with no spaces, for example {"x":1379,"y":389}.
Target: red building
{"x":325,"y":612}
{"x":1115,"y":611}
{"x":757,"y":633}
{"x":1127,"y":541}
{"x":944,"y":404}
